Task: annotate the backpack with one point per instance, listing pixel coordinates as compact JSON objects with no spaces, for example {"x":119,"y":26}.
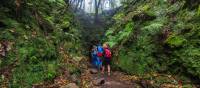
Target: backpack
{"x":99,"y":51}
{"x":108,"y":53}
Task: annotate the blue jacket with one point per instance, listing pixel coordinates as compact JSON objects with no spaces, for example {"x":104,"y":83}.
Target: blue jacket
{"x":96,"y":60}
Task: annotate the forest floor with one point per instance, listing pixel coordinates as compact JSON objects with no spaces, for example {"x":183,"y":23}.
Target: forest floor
{"x":92,"y":78}
{"x":6,"y":73}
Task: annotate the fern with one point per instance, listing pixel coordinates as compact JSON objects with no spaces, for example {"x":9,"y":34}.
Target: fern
{"x":153,"y":28}
{"x":175,"y":41}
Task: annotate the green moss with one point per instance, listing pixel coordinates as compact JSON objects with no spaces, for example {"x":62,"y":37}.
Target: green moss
{"x":153,"y":28}
{"x":28,"y":74}
{"x":151,"y":47}
{"x":125,"y":64}
{"x":109,"y":32}
{"x":143,"y":8}
{"x":111,"y":43}
{"x":34,"y":45}
{"x":10,"y":22}
{"x":176,"y":41}
{"x":113,"y":40}
{"x":49,"y":19}
{"x":119,"y":16}
{"x":126,"y":32}
{"x":175,"y":7}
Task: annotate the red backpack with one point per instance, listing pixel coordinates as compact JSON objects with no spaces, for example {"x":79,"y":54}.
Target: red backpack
{"x":108,"y":53}
{"x":99,"y":51}
{"x":99,"y":54}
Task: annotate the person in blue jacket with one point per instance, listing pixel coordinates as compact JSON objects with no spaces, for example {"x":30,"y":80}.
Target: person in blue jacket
{"x":95,"y":59}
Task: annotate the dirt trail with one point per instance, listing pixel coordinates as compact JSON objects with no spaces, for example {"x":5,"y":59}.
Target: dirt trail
{"x":92,"y":78}
{"x":112,"y":81}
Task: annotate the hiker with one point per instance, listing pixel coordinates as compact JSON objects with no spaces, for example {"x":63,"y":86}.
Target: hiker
{"x":95,"y":59}
{"x":107,"y":58}
{"x":100,"y":55}
{"x":94,"y":54}
{"x":100,"y":51}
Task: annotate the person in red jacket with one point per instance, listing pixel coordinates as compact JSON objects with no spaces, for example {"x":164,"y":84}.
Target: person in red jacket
{"x":107,"y":58}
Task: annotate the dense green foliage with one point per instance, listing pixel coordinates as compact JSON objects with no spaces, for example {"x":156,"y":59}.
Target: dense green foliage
{"x":36,"y":31}
{"x":38,"y":38}
{"x":157,"y":36}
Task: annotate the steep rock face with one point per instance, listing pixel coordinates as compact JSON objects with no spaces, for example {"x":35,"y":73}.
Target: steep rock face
{"x":33,"y":33}
{"x":156,"y":36}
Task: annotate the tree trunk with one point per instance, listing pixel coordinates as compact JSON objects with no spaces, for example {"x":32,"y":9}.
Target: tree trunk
{"x":97,"y":4}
